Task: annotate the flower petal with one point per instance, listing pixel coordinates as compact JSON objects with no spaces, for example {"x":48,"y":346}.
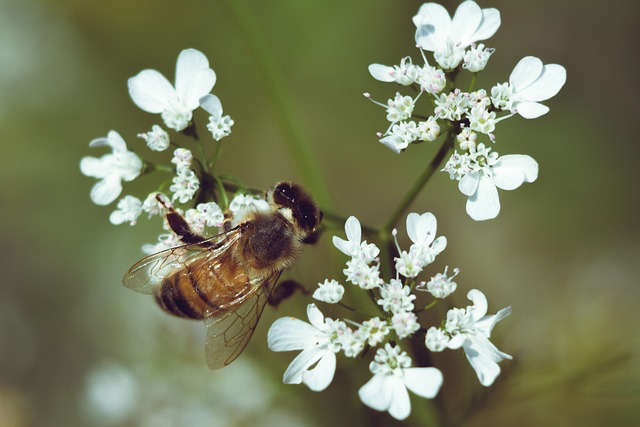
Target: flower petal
{"x":425,"y":382}
{"x":468,"y":185}
{"x":530,"y":110}
{"x":421,"y":228}
{"x":465,"y":22}
{"x":382,"y":73}
{"x":302,"y":362}
{"x":289,"y":333}
{"x":96,"y":168}
{"x":547,"y":85}
{"x":484,"y":204}
{"x":319,"y":378}
{"x":489,"y":25}
{"x":212,"y":105}
{"x":400,"y":405}
{"x":512,"y":170}
{"x":377,"y":393}
{"x":525,"y":73}
{"x":151,"y":91}
{"x":316,"y":318}
{"x":194,"y":78}
{"x":433,"y":25}
{"x":480,"y":304}
{"x":107,"y":190}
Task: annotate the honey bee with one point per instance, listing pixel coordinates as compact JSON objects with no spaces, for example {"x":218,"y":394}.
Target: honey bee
{"x":227,"y":279}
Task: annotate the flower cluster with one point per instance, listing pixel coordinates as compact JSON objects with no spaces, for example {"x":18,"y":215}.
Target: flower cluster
{"x":468,"y":118}
{"x":322,"y":338}
{"x":176,"y":104}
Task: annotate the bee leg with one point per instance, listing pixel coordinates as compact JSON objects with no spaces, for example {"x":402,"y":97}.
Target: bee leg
{"x":283,"y":291}
{"x":180,"y":226}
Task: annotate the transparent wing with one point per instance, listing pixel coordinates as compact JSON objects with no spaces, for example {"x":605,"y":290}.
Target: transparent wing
{"x":229,"y":332}
{"x":149,"y":273}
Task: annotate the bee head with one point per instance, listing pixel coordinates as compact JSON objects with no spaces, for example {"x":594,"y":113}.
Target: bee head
{"x":303,"y":208}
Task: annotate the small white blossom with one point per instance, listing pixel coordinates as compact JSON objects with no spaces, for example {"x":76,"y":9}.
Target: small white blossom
{"x":219,"y":125}
{"x":392,"y":377}
{"x":428,"y":130}
{"x":482,"y":120}
{"x":488,"y":171}
{"x":422,"y":232}
{"x":440,"y":286}
{"x":405,"y":74}
{"x":374,"y":331}
{"x":405,"y":323}
{"x":436,"y":339}
{"x":431,"y":79}
{"x":400,"y":136}
{"x":151,"y":205}
{"x":157,"y":139}
{"x":110,"y":169}
{"x":351,"y":342}
{"x":396,"y":297}
{"x":529,"y":83}
{"x":354,"y":246}
{"x":458,"y":165}
{"x":399,"y":108}
{"x":129,"y":209}
{"x":362,"y":274}
{"x":329,"y":291}
{"x":452,"y":106}
{"x":470,"y":329}
{"x":195,"y":219}
{"x":185,"y":184}
{"x":501,"y":96}
{"x":153,"y":93}
{"x":467,"y":140}
{"x":319,"y":341}
{"x":447,"y":38}
{"x":182,"y":158}
{"x":476,"y":58}
{"x":211,"y":213}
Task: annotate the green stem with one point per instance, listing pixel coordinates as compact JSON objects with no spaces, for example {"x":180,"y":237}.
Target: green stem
{"x":269,"y":68}
{"x":420,"y":182}
{"x":216,"y":154}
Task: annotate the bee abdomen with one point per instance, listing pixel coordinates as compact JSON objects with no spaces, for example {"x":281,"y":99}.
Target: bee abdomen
{"x":180,"y":295}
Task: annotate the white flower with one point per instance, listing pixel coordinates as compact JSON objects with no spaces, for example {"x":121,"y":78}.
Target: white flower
{"x":422,"y":232}
{"x":467,"y":140}
{"x":476,"y":58}
{"x":470,"y":329}
{"x":157,"y":139}
{"x":374,"y":331}
{"x":354,"y":247}
{"x":531,"y":82}
{"x":452,"y":106}
{"x":489,"y":171}
{"x":400,"y":136}
{"x":436,"y":339}
{"x":458,"y":165}
{"x":211,"y":213}
{"x":153,"y":93}
{"x":111,"y":169}
{"x":151,"y":205}
{"x":482,"y":120}
{"x":404,"y":74}
{"x":182,"y":158}
{"x":405,"y":323}
{"x":185,"y":184}
{"x":362,"y":274}
{"x":448,"y":38}
{"x":392,"y":377}
{"x":219,"y":125}
{"x":428,"y":130}
{"x":351,"y":342}
{"x":129,"y":209}
{"x":399,"y":108}
{"x":431,"y":79}
{"x":316,"y":364}
{"x":396,"y":297}
{"x":440,"y":286}
{"x":329,"y":291}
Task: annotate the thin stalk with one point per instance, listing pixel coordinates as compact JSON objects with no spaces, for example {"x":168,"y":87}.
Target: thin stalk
{"x":420,"y":182}
{"x":286,"y":113}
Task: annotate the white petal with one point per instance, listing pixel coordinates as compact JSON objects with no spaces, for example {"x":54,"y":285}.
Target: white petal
{"x":394,"y":143}
{"x":289,"y":333}
{"x":530,"y":110}
{"x":425,"y":382}
{"x":421,"y":228}
{"x":486,"y":369}
{"x":107,"y":190}
{"x":353,"y":229}
{"x":116,"y":142}
{"x":548,"y":84}
{"x":382,"y":73}
{"x":316,"y":318}
{"x":468,"y":185}
{"x":480,"y":304}
{"x":487,"y":323}
{"x":377,"y":393}
{"x":400,"y":406}
{"x":212,"y":105}
{"x":484,"y":204}
{"x":319,"y":378}
{"x":456,"y":341}
{"x":489,"y":25}
{"x":512,"y":170}
{"x":525,"y":72}
{"x":465,"y":22}
{"x":194,"y":78}
{"x":302,"y":362}
{"x":96,"y":168}
{"x":343,"y":246}
{"x":439,"y":245}
{"x":99,"y":142}
{"x":433,"y":25}
{"x":151,"y":91}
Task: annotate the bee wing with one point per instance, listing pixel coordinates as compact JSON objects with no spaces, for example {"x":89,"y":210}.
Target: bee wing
{"x":149,"y":273}
{"x":229,"y":333}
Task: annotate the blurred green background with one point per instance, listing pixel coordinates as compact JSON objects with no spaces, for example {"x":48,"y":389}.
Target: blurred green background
{"x":79,"y":349}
